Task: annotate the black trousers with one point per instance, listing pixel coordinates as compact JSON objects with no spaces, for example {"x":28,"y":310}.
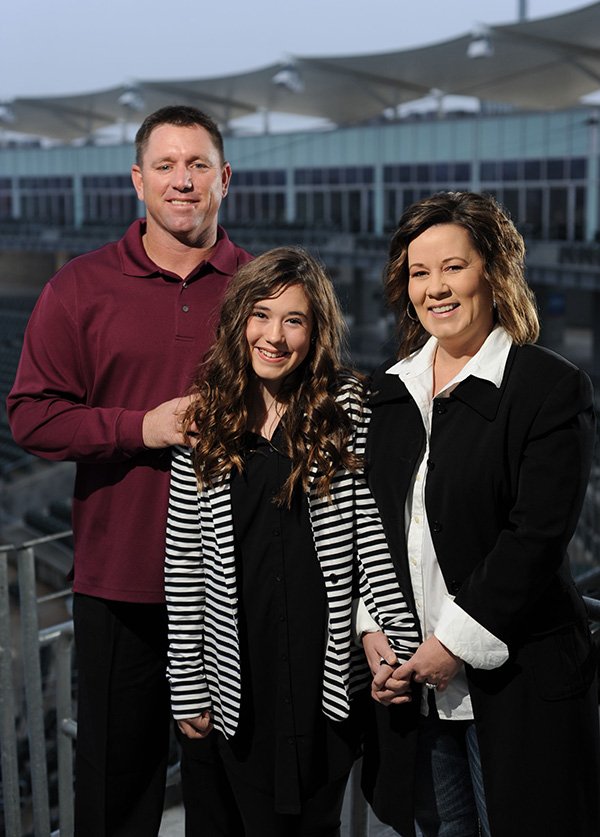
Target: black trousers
{"x":123,"y":724}
{"x":320,"y":814}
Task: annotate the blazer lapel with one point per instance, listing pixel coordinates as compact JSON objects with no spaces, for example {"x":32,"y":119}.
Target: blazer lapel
{"x":483,"y":396}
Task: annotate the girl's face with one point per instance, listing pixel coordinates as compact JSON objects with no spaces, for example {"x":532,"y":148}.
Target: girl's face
{"x":278,"y":332}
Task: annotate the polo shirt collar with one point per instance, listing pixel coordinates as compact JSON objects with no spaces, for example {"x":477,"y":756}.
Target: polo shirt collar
{"x":136,"y":262}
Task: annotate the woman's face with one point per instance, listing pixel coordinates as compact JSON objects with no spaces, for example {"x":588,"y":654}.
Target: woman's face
{"x":278,"y":334}
{"x":447,"y":287}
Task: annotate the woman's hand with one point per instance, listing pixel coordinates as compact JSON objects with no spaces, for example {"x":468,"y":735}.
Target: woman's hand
{"x":377,"y":648}
{"x":198,"y":727}
{"x":383,"y":662}
{"x":431,"y":663}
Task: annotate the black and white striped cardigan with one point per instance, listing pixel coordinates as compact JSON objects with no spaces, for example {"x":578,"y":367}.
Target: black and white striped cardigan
{"x":202,"y":599}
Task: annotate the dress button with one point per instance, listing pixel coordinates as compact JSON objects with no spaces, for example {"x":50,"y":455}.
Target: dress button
{"x":333,"y":578}
{"x":436,"y":527}
{"x":453,"y":586}
{"x":440,"y":408}
{"x":276,"y":532}
{"x":185,"y":308}
{"x":277,"y":578}
{"x":430,"y":465}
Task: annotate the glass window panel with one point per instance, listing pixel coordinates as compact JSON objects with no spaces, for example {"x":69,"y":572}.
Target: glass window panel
{"x":354,"y":211}
{"x":441,"y":172}
{"x":555,"y":169}
{"x":405,"y":174}
{"x":337,"y":210}
{"x":423,"y":173}
{"x":579,"y":225}
{"x":488,"y":170}
{"x":510,"y":170}
{"x":532,"y":169}
{"x":462,"y":172}
{"x":534,"y":213}
{"x":318,"y":208}
{"x":558,"y":214}
{"x":302,"y":207}
{"x":510,"y":200}
{"x":578,"y":168}
{"x":280,"y":207}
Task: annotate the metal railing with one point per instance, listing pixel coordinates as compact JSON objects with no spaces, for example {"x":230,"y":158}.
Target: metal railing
{"x":60,"y":638}
{"x":32,"y":640}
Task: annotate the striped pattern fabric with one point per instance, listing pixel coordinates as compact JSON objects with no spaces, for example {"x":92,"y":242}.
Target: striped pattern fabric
{"x":200,"y":580}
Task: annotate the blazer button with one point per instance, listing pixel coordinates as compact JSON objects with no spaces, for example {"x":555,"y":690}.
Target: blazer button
{"x":436,"y":527}
{"x":430,"y":465}
{"x":333,"y":578}
{"x":453,"y":586}
{"x":440,"y":408}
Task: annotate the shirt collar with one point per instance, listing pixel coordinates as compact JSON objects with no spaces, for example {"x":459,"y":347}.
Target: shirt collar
{"x":136,"y":262}
{"x":488,"y":364}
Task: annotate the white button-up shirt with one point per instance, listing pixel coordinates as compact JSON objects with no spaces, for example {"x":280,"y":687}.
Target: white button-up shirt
{"x":438,"y":614}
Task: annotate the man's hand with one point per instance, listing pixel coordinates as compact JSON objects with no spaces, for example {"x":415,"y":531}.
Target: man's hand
{"x":162,"y":426}
{"x":198,"y":727}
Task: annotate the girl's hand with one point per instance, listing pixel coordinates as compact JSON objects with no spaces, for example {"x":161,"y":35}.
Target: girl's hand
{"x":198,"y":727}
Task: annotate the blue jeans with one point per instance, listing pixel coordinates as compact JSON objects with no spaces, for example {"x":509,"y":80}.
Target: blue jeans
{"x":449,"y":797}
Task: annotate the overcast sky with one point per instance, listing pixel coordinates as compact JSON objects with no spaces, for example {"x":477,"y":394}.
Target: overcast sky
{"x":72,"y":46}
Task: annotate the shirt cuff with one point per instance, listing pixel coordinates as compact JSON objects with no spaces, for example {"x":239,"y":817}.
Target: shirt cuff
{"x":362,"y":621}
{"x":469,"y":640}
{"x":129,"y":431}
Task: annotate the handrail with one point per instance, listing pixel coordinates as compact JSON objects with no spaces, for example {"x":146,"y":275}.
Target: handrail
{"x":59,"y":636}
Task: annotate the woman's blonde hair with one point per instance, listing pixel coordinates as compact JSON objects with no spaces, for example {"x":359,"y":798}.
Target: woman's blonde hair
{"x":497,"y":241}
{"x":316,"y":429}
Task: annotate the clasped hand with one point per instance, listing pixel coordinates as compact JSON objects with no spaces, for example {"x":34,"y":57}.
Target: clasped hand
{"x":432,"y":663}
{"x":198,"y":727}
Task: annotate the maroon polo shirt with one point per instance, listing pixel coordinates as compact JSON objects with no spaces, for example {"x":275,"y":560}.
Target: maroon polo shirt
{"x":112,"y":336}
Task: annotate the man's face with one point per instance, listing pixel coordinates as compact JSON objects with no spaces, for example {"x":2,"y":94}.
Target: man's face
{"x":182,"y":180}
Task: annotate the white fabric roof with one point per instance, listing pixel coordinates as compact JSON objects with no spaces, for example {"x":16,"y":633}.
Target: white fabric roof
{"x":546,"y":63}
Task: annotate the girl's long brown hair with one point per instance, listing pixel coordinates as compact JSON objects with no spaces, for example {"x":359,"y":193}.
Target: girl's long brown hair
{"x":316,"y":429}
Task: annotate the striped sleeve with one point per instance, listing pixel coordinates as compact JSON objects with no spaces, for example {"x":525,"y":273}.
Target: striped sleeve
{"x":185,"y":591}
{"x":378,"y":582}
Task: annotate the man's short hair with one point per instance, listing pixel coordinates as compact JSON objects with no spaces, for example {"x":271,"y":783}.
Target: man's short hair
{"x":185,"y":117}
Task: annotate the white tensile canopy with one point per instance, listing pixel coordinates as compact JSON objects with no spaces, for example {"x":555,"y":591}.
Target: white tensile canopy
{"x":547,"y":63}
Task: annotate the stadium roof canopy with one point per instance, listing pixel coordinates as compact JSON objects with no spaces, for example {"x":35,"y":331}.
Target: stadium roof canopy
{"x":546,"y":63}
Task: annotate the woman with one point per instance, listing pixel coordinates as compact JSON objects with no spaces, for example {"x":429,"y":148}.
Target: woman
{"x":479,"y":452}
{"x":267,"y":512}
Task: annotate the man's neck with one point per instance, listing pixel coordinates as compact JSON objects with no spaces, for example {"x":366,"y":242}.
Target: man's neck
{"x":176,"y":256}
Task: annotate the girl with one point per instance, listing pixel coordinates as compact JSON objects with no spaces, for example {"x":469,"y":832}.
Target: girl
{"x":271,"y":534}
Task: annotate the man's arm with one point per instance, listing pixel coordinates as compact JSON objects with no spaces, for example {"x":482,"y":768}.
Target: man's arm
{"x":47,"y":406}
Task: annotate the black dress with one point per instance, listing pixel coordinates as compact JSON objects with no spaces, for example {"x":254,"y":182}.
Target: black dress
{"x":285,"y":745}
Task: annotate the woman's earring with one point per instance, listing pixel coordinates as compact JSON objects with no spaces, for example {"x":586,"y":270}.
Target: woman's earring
{"x":494,"y":303}
{"x":410,"y":316}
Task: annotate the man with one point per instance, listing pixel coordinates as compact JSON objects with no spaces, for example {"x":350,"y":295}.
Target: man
{"x":108,"y":355}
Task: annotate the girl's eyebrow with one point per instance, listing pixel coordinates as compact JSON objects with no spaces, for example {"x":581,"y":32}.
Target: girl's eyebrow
{"x":287,"y":314}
